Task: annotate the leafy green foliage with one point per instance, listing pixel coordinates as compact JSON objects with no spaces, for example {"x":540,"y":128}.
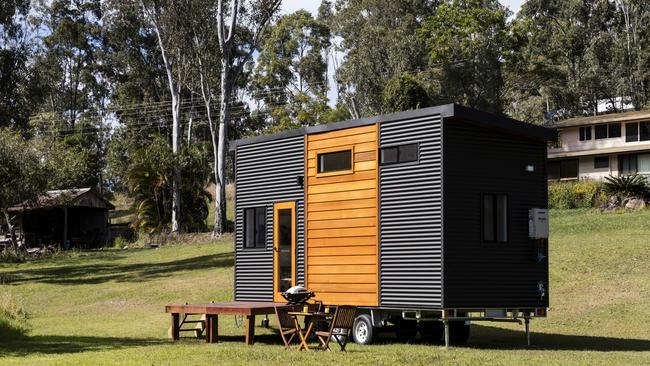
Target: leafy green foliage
{"x":380,"y":42}
{"x":405,"y":92}
{"x":575,"y":194}
{"x":467,"y":42}
{"x":22,"y":174}
{"x":150,"y":184}
{"x":627,"y":186}
{"x":291,"y":73}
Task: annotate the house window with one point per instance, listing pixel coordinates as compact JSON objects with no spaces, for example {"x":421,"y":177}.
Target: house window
{"x":399,"y":154}
{"x":644,"y":131}
{"x":600,"y":132}
{"x":643,"y":164}
{"x":585,"y":133}
{"x":601,"y":162}
{"x":336,"y":161}
{"x":563,"y":169}
{"x":495,"y":218}
{"x":255,"y":227}
{"x":632,"y":132}
{"x":627,"y":164}
{"x":612,"y":130}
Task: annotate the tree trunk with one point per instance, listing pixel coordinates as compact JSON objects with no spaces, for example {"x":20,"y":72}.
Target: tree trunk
{"x":224,"y":120}
{"x":176,"y":142}
{"x":12,"y":231}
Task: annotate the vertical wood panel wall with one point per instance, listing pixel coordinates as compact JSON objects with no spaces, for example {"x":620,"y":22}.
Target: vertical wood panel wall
{"x":341,"y":221}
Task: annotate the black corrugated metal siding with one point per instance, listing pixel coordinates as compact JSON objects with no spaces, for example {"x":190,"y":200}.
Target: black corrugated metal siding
{"x":478,"y":161}
{"x":266,"y":173}
{"x":410,"y":216}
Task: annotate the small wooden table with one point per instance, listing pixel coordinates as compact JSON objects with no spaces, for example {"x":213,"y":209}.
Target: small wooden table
{"x":314,"y":317}
{"x":213,"y":310}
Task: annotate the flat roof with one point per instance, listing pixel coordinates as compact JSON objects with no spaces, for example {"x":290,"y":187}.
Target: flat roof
{"x":447,"y":111}
{"x":603,"y":118}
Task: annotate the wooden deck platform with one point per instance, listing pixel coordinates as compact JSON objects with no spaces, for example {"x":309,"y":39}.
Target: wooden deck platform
{"x":213,"y":310}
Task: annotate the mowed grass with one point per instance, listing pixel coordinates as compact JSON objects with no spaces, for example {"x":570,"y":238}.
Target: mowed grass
{"x":104,"y":308}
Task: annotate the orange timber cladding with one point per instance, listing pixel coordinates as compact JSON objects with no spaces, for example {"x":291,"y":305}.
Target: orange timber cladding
{"x":342,"y":221}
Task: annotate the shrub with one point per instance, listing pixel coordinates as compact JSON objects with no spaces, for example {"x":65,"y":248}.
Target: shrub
{"x":626,"y":186}
{"x":575,"y":194}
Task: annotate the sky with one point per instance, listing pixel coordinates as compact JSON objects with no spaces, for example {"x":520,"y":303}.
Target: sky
{"x":289,"y":6}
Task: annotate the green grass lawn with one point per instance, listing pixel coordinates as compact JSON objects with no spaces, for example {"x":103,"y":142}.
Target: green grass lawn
{"x":106,"y":307}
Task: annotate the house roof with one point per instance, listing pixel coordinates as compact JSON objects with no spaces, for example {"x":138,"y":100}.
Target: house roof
{"x":452,"y":112}
{"x":76,"y":197}
{"x":605,"y":118}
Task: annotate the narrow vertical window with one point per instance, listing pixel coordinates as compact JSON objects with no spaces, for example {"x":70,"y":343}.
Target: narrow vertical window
{"x":495,"y":218}
{"x":632,"y":132}
{"x":585,"y":133}
{"x":644,"y":131}
{"x":255,"y":227}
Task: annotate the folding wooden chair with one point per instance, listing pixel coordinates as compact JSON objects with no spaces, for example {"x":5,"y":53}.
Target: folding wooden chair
{"x":340,"y":328}
{"x":287,"y":326}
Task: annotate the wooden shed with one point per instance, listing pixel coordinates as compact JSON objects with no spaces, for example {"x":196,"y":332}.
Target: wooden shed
{"x":418,"y":215}
{"x":69,"y":218}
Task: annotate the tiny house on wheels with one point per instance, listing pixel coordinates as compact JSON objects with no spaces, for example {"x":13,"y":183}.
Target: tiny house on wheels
{"x":425,"y":220}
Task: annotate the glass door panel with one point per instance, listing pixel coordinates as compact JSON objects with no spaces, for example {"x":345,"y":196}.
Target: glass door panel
{"x":284,"y":248}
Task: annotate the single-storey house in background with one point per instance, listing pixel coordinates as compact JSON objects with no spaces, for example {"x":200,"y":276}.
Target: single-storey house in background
{"x":595,"y":147}
{"x":70,"y":218}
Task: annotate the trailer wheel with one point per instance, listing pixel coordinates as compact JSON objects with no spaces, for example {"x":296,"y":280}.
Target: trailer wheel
{"x":363,"y":331}
{"x":459,"y":331}
{"x":406,"y":330}
{"x":431,"y":331}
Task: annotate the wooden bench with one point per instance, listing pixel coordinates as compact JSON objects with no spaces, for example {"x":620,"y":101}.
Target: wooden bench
{"x":213,"y":310}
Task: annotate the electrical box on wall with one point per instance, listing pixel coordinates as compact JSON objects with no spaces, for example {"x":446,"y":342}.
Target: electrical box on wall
{"x":538,"y":223}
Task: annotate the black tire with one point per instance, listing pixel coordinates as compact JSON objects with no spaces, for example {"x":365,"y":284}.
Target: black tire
{"x":431,"y":331}
{"x":362,"y":330}
{"x":459,"y":332}
{"x":406,"y":330}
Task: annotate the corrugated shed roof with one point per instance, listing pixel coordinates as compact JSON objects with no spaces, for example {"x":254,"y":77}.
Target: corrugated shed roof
{"x":76,"y":197}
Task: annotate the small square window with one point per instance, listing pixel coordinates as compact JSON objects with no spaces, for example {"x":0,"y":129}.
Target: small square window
{"x":389,"y":155}
{"x":255,"y":227}
{"x":614,"y":130}
{"x":600,"y":132}
{"x":408,"y":153}
{"x":335,"y":161}
{"x":601,"y":162}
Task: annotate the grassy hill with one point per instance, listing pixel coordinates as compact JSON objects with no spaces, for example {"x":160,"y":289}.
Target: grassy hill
{"x":106,"y":307}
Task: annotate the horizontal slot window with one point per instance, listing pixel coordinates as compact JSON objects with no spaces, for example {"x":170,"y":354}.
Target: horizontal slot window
{"x":611,"y":130}
{"x":336,"y":161}
{"x":400,"y":154}
{"x":601,"y":162}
